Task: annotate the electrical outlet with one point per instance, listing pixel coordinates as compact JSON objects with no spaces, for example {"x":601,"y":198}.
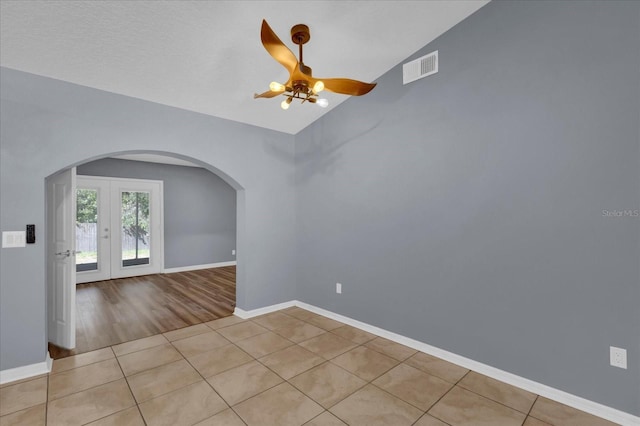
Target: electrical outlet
{"x":338,"y":288}
{"x":233,"y":252}
{"x":618,"y":357}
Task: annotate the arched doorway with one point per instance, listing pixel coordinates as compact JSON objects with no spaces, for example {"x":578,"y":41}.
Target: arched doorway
{"x":190,"y":288}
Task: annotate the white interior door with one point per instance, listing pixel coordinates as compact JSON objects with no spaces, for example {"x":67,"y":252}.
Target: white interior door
{"x":93,"y":223}
{"x":61,"y":273}
{"x":119,"y":228}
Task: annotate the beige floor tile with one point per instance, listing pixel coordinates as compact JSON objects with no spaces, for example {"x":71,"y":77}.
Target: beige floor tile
{"x":276,"y":320}
{"x":75,"y":361}
{"x":531,"y":421}
{"x":128,"y":417}
{"x":90,"y":405}
{"x":263,"y":344}
{"x":413,"y":386}
{"x":82,"y":378}
{"x":243,"y":382}
{"x":183,"y":333}
{"x":138,"y":345}
{"x":299,"y":313}
{"x":300,"y":332}
{"x":242,"y":331}
{"x":460,"y":407}
{"x":559,"y":414}
{"x":164,"y":379}
{"x":225,"y":418}
{"x":291,"y":361}
{"x":437,"y":367}
{"x":201,"y":343}
{"x":365,"y":363}
{"x":501,"y":392}
{"x":33,"y":416}
{"x":325,"y":323}
{"x":328,"y":345}
{"x":389,"y":348}
{"x":283,"y":405}
{"x":23,"y":395}
{"x":327,"y":384}
{"x":185,"y":406}
{"x":218,"y":360}
{"x":325,"y":419}
{"x":224,"y":322}
{"x":354,"y":334}
{"x":147,"y":359}
{"x":371,"y":406}
{"x":427,"y":420}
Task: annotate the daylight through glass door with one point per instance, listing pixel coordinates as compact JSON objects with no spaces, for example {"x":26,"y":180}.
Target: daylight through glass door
{"x":86,"y":230}
{"x":136,"y":233}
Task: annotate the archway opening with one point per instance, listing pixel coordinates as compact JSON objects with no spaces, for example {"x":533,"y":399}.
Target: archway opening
{"x":194,"y":285}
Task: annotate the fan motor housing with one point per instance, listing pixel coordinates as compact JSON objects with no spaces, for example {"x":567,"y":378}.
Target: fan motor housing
{"x":301,"y":86}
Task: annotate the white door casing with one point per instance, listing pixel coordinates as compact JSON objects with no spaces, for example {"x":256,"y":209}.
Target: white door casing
{"x":61,"y":268}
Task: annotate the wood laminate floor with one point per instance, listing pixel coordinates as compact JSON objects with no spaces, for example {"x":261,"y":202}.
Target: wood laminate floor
{"x":118,"y":311}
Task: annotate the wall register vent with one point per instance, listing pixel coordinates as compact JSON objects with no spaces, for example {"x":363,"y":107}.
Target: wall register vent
{"x":420,"y":68}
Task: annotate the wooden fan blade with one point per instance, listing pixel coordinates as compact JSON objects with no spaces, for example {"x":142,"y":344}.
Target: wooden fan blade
{"x":346,"y":86}
{"x":277,"y":49}
{"x":267,"y":94}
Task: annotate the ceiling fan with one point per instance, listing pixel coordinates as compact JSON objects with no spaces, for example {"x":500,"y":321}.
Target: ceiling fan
{"x":301,"y":84}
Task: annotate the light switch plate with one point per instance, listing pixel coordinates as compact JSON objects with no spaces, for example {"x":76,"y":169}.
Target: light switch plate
{"x":13,"y":239}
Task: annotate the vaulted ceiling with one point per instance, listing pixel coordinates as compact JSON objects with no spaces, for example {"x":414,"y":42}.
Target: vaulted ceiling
{"x":206,"y":56}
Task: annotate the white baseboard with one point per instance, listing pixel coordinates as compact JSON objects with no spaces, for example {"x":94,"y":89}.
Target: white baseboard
{"x":197,"y":267}
{"x":261,"y":311}
{"x":557,"y":395}
{"x":27,"y":371}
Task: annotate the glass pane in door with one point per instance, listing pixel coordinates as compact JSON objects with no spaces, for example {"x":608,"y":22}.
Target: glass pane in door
{"x":136,"y":235}
{"x":86,"y":230}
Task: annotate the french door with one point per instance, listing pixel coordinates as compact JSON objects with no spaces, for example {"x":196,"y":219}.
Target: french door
{"x":119,"y":230}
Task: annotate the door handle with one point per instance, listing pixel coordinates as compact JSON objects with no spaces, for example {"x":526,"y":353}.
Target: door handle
{"x":67,"y":253}
{"x":105,"y":237}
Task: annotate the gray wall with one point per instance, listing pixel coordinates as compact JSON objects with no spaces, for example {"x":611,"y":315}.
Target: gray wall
{"x":465,"y":210}
{"x":199,"y":209}
{"x":47,"y":125}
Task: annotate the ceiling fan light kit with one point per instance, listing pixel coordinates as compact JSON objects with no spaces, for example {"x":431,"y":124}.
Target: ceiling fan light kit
{"x":301,"y":84}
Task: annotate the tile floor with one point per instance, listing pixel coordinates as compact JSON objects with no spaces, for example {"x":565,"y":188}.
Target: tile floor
{"x":291,"y":367}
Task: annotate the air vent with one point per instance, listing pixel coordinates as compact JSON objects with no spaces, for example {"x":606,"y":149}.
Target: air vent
{"x":420,"y":68}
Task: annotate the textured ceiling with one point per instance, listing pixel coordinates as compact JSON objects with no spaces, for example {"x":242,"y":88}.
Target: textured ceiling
{"x":206,"y":56}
